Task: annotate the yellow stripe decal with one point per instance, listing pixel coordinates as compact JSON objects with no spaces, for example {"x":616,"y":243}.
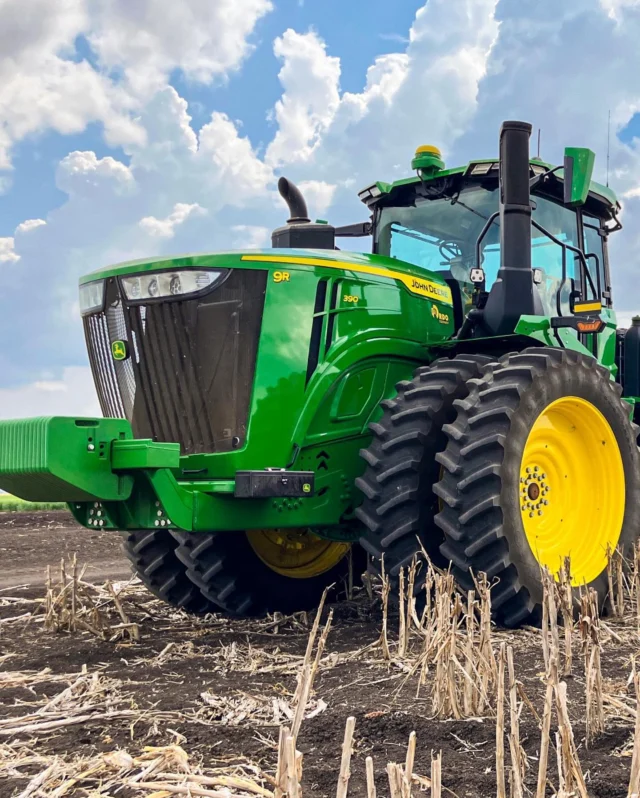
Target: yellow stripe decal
{"x":441,"y":293}
{"x":586,"y":307}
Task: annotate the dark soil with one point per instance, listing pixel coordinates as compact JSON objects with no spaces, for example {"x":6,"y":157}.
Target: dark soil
{"x":31,"y":541}
{"x":386,"y":708}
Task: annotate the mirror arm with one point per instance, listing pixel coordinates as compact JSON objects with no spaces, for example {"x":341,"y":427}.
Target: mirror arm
{"x":538,"y":179}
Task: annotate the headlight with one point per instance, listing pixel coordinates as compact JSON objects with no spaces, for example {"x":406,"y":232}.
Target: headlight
{"x":142,"y":287}
{"x":91,"y":297}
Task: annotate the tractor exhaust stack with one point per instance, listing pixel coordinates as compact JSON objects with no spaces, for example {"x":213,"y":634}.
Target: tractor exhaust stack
{"x":292,"y":195}
{"x":300,"y":232}
{"x":513,"y":294}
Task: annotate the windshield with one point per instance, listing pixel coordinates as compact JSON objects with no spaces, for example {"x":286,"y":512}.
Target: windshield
{"x":441,"y":235}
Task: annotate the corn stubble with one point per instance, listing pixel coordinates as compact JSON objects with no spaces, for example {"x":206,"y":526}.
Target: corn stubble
{"x":448,"y":650}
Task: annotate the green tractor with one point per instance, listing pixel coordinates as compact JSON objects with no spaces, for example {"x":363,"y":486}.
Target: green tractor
{"x":271,"y":415}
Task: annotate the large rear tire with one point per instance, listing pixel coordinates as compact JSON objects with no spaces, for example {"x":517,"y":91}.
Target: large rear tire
{"x":152,"y":553}
{"x":399,"y":503}
{"x":263,"y":571}
{"x":542,"y":464}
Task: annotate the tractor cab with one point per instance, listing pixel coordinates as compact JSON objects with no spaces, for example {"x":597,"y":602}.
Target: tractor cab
{"x":448,"y":222}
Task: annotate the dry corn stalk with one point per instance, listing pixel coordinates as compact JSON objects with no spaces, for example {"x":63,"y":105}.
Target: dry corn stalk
{"x":386,"y":589}
{"x":634,"y":780}
{"x":345,"y":763}
{"x":518,"y":756}
{"x":589,"y":625}
{"x":73,"y":605}
{"x":501,"y":791}
{"x":615,"y":576}
{"x":436,"y":775}
{"x":570,"y":771}
{"x":566,"y":608}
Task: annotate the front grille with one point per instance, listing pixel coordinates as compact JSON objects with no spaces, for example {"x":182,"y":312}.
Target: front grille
{"x":190,"y":373}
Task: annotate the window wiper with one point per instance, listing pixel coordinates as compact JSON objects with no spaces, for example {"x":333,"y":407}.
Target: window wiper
{"x":457,"y":201}
{"x":412,"y":234}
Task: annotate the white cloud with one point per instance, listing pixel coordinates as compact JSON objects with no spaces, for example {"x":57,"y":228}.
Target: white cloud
{"x":30,"y":224}
{"x":44,"y":85}
{"x":318,"y":194}
{"x":624,"y":318}
{"x":84,"y":173}
{"x":615,"y":8}
{"x":310,"y":79}
{"x":249,"y":236}
{"x":41,"y":88}
{"x":203,"y":38}
{"x":72,"y":395}
{"x":7,"y":250}
{"x":165,"y":228}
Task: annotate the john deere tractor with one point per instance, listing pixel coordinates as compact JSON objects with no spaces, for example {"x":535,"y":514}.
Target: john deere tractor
{"x":272,"y":416}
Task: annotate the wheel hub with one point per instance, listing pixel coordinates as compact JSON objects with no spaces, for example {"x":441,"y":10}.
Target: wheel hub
{"x":534,"y":489}
{"x":297,"y":552}
{"x":572,"y":488}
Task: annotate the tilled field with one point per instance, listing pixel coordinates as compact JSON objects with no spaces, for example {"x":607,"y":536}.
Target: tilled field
{"x":194,"y":706}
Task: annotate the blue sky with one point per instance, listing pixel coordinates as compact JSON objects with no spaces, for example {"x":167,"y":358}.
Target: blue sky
{"x":131,"y":130}
{"x":358,"y":31}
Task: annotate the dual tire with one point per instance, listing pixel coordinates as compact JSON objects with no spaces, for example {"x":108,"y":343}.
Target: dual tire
{"x":536,"y":462}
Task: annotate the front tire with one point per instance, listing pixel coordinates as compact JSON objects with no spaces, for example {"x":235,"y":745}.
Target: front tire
{"x":542,"y":464}
{"x":152,"y":553}
{"x":254,"y":573}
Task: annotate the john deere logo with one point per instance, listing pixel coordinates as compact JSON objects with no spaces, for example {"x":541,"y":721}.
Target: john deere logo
{"x":119,"y":350}
{"x":443,"y":318}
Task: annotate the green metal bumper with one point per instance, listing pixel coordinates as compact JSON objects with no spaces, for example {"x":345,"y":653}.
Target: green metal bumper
{"x":111,"y":480}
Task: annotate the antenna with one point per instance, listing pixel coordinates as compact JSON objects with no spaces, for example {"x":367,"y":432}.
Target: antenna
{"x":608,"y":146}
{"x":539,"y":134}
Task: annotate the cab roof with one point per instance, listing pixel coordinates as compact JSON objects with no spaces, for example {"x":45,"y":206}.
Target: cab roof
{"x":602,"y":200}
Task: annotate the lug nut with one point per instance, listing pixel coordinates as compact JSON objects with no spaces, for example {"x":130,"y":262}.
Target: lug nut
{"x":539,"y":512}
{"x":528,"y":470}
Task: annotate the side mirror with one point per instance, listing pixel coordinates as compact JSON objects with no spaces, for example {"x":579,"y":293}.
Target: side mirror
{"x":578,"y":169}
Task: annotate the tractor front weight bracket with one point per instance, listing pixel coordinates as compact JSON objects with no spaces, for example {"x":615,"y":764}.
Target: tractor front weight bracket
{"x":111,"y":480}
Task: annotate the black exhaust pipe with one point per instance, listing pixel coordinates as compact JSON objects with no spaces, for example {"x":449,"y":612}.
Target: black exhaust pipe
{"x":300,"y":232}
{"x":513,"y":294}
{"x":292,"y":195}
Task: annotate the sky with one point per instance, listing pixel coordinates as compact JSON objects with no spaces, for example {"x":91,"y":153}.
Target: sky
{"x":132,"y":130}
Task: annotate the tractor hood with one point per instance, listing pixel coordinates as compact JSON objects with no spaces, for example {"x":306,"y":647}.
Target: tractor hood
{"x":417,"y":280}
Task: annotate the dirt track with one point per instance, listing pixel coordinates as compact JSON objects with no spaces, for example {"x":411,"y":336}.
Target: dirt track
{"x":243,"y":667}
{"x":31,"y":541}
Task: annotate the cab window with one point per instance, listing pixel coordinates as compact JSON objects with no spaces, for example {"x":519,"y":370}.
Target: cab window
{"x":546,"y":255}
{"x":594,"y":245}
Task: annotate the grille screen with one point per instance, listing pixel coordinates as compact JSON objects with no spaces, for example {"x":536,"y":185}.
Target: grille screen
{"x":190,"y":372}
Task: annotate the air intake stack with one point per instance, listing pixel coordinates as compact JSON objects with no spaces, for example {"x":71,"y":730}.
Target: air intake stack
{"x":513,"y":294}
{"x":300,"y":232}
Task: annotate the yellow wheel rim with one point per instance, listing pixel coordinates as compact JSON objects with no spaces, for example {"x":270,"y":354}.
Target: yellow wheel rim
{"x":296,"y":553}
{"x":571,"y":489}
